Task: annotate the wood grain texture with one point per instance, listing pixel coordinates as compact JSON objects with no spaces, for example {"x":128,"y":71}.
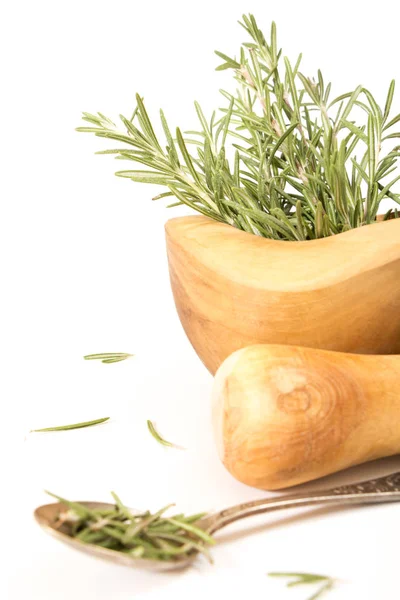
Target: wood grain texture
{"x":233,"y":289}
{"x":284,"y":415}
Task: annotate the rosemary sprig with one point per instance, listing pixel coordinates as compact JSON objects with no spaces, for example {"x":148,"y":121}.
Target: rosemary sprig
{"x":108,"y":357}
{"x":157,"y":436}
{"x":303,"y":165}
{"x":72,"y":426}
{"x":145,"y":535}
{"x":308,"y":578}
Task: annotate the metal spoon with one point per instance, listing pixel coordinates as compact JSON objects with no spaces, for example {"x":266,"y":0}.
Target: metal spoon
{"x":384,"y":489}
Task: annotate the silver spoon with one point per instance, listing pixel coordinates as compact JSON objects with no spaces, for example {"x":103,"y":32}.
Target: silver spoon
{"x":384,"y":489}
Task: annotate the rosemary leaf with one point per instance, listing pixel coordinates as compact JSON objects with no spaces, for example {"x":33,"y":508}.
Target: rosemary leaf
{"x":200,"y":533}
{"x":108,"y":357}
{"x":308,"y":579}
{"x":158,"y":437}
{"x":137,"y":527}
{"x":76,"y":507}
{"x":72,"y":426}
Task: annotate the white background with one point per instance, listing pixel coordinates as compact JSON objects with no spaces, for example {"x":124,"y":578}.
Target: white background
{"x":83,"y":269}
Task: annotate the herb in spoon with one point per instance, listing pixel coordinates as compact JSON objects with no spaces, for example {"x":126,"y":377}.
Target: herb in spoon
{"x":140,"y":535}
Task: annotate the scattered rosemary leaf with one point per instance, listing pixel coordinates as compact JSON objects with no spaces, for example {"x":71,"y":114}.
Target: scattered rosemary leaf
{"x":108,"y":357}
{"x":308,"y":579}
{"x":72,"y":426}
{"x":158,"y":437}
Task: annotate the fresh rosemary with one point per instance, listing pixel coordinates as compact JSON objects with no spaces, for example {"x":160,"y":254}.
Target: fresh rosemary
{"x":281,"y":160}
{"x":72,"y":426}
{"x":108,"y":357}
{"x":327,"y":583}
{"x":145,"y":535}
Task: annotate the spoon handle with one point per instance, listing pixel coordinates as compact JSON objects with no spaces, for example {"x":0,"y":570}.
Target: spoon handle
{"x":384,"y":489}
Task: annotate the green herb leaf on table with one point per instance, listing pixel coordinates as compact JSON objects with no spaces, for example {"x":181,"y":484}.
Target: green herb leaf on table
{"x":141,"y":535}
{"x":157,"y":436}
{"x":326,"y":582}
{"x":302,"y":166}
{"x":108,"y":357}
{"x":72,"y":426}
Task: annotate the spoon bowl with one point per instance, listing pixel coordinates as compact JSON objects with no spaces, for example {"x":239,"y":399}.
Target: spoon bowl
{"x":46,"y":516}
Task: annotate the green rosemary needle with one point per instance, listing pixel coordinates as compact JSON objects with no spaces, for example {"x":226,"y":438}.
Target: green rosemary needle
{"x":158,"y":437}
{"x":145,"y":535}
{"x":108,"y":357}
{"x":71,"y":426}
{"x":326,"y":582}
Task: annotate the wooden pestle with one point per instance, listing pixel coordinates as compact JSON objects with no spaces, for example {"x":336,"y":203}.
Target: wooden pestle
{"x":284,"y":415}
